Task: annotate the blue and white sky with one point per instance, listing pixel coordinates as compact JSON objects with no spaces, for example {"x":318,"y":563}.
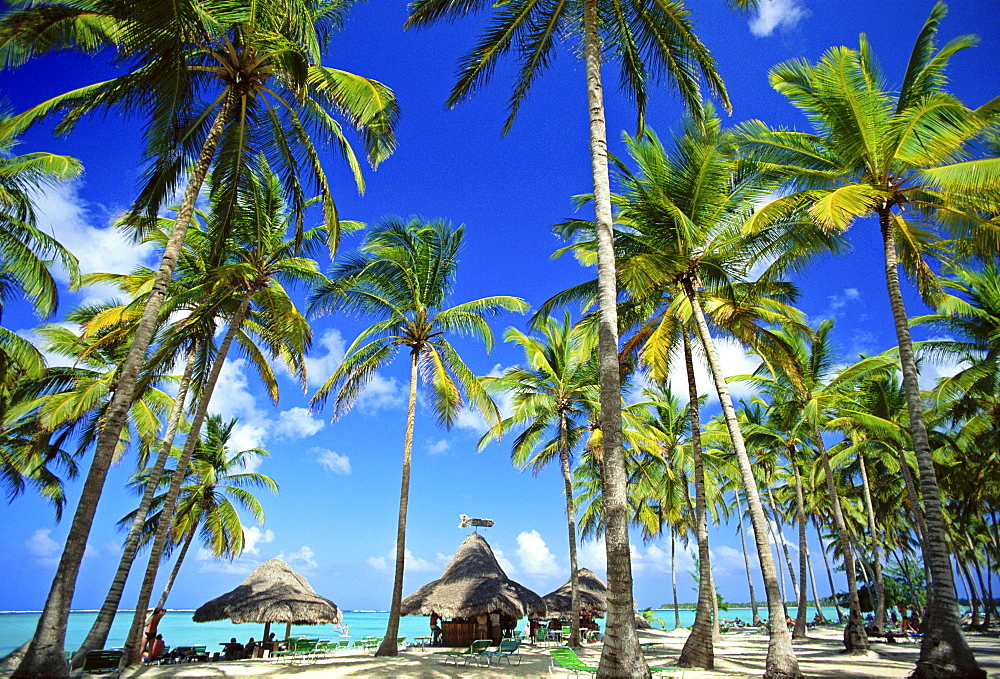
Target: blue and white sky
{"x":334,"y":519}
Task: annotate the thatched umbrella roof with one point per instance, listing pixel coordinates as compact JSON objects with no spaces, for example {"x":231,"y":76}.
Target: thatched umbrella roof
{"x":473,"y":584}
{"x":593,"y":596}
{"x":272,"y":593}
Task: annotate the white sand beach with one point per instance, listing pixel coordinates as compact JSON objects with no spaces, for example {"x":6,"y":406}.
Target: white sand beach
{"x":739,"y":654}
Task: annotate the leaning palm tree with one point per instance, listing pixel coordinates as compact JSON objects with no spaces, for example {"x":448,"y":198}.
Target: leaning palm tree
{"x":402,"y":276}
{"x":548,"y":396}
{"x":215,"y":482}
{"x":905,"y":160}
{"x":215,"y":82}
{"x":652,"y":41}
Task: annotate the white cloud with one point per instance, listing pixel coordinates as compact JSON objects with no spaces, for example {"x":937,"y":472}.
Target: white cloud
{"x":504,"y":562}
{"x":534,"y":555}
{"x":773,"y":14}
{"x":254,"y":535}
{"x":593,"y":554}
{"x":65,"y":214}
{"x":414,"y":564}
{"x":212,"y":564}
{"x":734,"y":360}
{"x":301,"y":560}
{"x":438,"y":447}
{"x":334,"y":462}
{"x":381,"y":394}
{"x":43,"y":548}
{"x":297,"y":423}
{"x":319,"y":368}
{"x":931,"y":371}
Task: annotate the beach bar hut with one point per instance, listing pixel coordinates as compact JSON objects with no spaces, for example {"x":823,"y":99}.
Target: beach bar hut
{"x":476,"y":595}
{"x":593,"y":600}
{"x":272,"y":593}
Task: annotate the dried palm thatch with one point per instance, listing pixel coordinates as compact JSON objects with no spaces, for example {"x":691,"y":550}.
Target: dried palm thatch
{"x":272,"y":593}
{"x":593,"y":596}
{"x":473,"y":584}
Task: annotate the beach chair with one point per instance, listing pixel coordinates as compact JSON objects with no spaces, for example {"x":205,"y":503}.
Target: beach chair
{"x":541,"y":636}
{"x":473,"y":652}
{"x":507,"y":648}
{"x":99,"y":662}
{"x":343,"y":643}
{"x":567,"y":659}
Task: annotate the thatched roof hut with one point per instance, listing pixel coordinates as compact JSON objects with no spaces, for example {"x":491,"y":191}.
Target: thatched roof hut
{"x":593,"y":596}
{"x":272,"y":593}
{"x":473,"y":584}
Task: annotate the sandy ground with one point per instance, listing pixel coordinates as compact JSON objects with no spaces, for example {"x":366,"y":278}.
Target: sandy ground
{"x":739,"y":654}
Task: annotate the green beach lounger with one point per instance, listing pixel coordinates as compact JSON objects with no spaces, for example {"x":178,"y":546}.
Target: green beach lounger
{"x":566,"y":658}
{"x":473,"y":652}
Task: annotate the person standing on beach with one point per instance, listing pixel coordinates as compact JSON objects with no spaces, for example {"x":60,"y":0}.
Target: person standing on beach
{"x":151,"y":624}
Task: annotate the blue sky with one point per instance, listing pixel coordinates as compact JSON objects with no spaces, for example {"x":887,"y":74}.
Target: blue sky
{"x":334,"y":519}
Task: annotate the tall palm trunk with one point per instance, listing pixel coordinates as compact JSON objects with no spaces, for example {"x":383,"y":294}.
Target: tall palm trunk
{"x":134,"y":642}
{"x":673,"y":576}
{"x":944,"y":651}
{"x":855,"y":637}
{"x":829,"y":573}
{"x":188,"y":539}
{"x":781,"y":661}
{"x":876,"y":551}
{"x":973,"y":556}
{"x":799,"y":631}
{"x":699,"y":650}
{"x":99,"y":631}
{"x":574,"y":577}
{"x":388,"y":645}
{"x":44,"y":656}
{"x":970,"y":589}
{"x":781,"y":547}
{"x":812,"y":578}
{"x":746,"y":560}
{"x":622,"y":655}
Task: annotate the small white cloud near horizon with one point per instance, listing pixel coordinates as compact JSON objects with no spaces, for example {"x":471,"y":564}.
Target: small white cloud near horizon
{"x":43,"y":548}
{"x":534,"y":555}
{"x":774,"y":14}
{"x":334,"y":462}
{"x":301,"y":560}
{"x":387,"y":562}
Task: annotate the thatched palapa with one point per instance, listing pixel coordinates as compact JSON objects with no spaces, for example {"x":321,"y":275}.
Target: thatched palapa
{"x":272,"y":593}
{"x":593,"y":597}
{"x":474,"y":584}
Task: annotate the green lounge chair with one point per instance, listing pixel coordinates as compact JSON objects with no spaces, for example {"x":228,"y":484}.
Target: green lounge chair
{"x":541,"y":635}
{"x":507,"y":648}
{"x":473,"y":652}
{"x":567,"y":658}
{"x":98,"y":662}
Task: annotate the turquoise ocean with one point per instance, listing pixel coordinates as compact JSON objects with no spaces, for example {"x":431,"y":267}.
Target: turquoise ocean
{"x":178,"y":629}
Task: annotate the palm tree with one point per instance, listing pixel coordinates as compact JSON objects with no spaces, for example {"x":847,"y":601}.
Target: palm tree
{"x":683,"y":213}
{"x":402,"y":276}
{"x":546,"y":397}
{"x":257,"y":65}
{"x":215,"y":482}
{"x":261,"y":261}
{"x":651,"y":41}
{"x":877,"y":154}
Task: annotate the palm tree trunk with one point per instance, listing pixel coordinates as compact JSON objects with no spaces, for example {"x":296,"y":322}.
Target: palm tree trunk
{"x":44,"y":657}
{"x":799,"y":632}
{"x":622,"y":655}
{"x":780,"y":546}
{"x":855,"y":637}
{"x":911,"y":493}
{"x":574,"y":577}
{"x":388,"y":647}
{"x":829,"y":573}
{"x":699,"y":650}
{"x":944,"y":651}
{"x":816,"y":598}
{"x":746,"y":560}
{"x":876,"y":555}
{"x":188,"y":539}
{"x":979,"y":578}
{"x":673,"y":576}
{"x":98,"y":634}
{"x":781,"y":661}
{"x":133,"y":642}
{"x":970,"y":590}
